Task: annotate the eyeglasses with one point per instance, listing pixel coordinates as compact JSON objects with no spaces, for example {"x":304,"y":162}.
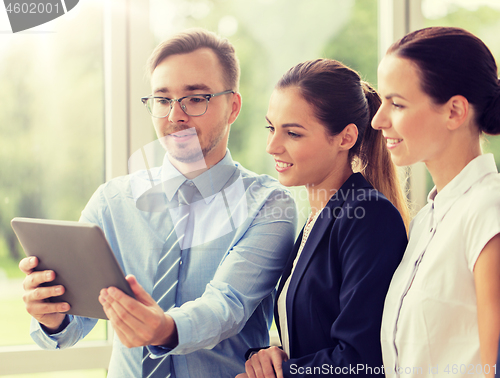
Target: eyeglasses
{"x":193,"y":105}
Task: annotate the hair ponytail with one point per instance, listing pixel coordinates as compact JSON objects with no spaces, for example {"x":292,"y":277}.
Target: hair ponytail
{"x":375,"y":163}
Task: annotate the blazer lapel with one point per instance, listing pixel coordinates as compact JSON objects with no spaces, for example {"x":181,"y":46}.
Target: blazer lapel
{"x":322,"y":225}
{"x":325,"y":219}
{"x":284,"y":277}
{"x":289,"y":263}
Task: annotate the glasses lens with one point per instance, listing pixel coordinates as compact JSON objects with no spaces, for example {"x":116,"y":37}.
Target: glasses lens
{"x":194,"y":105}
{"x":158,"y":107}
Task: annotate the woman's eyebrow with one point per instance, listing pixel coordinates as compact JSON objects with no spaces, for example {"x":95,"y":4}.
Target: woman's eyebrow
{"x":288,"y":124}
{"x":392,"y":95}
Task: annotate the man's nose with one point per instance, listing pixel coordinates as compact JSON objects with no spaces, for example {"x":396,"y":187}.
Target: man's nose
{"x":176,"y":113}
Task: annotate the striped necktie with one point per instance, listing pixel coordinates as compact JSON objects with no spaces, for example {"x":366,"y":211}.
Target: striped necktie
{"x":167,"y":274}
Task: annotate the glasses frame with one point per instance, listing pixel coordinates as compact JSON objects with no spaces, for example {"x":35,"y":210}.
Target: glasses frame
{"x":183,"y":107}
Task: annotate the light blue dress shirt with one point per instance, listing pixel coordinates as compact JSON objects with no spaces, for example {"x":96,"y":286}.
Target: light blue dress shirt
{"x":241,"y":233}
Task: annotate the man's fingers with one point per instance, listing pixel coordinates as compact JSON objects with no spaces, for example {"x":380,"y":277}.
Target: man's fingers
{"x":35,"y":297}
{"x":121,"y":335}
{"x":44,"y":292}
{"x":130,"y":329}
{"x":27,"y":264}
{"x":122,"y":308}
{"x":34,"y":279}
{"x":37,"y":304}
{"x":40,"y":309}
{"x":140,"y":307}
{"x":140,"y":294}
{"x":140,"y":320}
{"x":117,"y":315}
{"x":115,"y":296}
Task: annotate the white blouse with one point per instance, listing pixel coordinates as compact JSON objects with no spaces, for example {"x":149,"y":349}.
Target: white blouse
{"x":429,"y":326}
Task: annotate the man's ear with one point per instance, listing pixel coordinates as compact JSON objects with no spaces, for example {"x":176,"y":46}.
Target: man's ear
{"x":458,"y":110}
{"x":235,"y":108}
{"x":348,"y":137}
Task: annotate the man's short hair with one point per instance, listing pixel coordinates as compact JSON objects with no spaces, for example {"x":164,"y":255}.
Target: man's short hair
{"x":194,"y":39}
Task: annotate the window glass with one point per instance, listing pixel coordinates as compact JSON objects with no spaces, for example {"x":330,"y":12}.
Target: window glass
{"x":51,"y":138}
{"x":480,"y":17}
{"x":270,"y":36}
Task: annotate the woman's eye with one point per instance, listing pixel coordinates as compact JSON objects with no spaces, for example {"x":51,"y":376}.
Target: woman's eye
{"x":290,"y":133}
{"x":397,"y":105}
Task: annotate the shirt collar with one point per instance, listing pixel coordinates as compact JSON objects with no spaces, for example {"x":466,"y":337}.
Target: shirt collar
{"x":473,"y":172}
{"x":209,"y":183}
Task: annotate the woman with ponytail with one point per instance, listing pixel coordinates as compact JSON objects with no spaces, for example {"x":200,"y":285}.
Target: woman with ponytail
{"x":440,"y":93}
{"x":331,"y":295}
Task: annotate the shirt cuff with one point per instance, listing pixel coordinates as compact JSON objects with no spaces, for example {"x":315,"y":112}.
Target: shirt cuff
{"x":49,"y":340}
{"x":61,"y":328}
{"x":184,"y":327}
{"x":184,"y":333}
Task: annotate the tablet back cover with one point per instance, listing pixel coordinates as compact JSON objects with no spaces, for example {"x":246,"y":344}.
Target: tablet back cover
{"x":80,"y":256}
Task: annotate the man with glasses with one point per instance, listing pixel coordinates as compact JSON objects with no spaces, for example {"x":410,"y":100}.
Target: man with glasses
{"x":204,"y":240}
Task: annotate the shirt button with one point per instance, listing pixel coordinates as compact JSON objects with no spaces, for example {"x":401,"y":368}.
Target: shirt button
{"x":180,"y":263}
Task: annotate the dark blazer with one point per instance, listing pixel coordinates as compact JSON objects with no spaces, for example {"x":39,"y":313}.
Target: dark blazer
{"x":336,"y":294}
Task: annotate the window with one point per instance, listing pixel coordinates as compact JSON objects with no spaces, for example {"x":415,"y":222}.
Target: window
{"x":51,"y":148}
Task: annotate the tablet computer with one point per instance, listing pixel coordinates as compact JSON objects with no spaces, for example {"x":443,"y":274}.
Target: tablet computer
{"x":80,"y":256}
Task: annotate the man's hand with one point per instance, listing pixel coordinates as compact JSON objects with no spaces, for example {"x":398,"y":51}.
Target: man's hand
{"x":140,"y":321}
{"x":266,"y":363}
{"x":35,"y":296}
